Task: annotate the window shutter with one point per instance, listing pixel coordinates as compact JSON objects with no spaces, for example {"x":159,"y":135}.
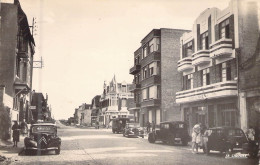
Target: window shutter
{"x":209,"y":29}
{"x":216,"y":32}
{"x":198,"y":37}
{"x":232,"y":30}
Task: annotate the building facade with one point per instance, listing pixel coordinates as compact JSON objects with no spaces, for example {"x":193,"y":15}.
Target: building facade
{"x":209,"y":58}
{"x":39,"y":107}
{"x":84,"y":114}
{"x":113,"y":101}
{"x":156,"y":78}
{"x":95,"y":105}
{"x":16,"y":59}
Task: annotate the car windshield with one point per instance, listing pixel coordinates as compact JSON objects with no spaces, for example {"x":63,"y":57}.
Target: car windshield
{"x":134,"y":125}
{"x":235,"y":132}
{"x":43,"y":129}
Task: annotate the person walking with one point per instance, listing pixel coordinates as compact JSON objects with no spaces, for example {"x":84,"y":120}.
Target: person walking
{"x":196,"y":134}
{"x":16,"y":133}
{"x":24,"y":127}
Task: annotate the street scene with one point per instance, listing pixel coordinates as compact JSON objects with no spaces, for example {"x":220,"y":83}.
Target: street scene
{"x":101,"y":146}
{"x":113,"y":82}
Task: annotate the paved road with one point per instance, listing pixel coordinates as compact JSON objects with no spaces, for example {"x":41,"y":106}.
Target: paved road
{"x":102,"y":147}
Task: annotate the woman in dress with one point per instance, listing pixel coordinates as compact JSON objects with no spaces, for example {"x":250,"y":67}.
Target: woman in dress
{"x":16,"y":133}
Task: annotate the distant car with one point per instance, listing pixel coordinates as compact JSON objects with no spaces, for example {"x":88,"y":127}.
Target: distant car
{"x":118,"y":124}
{"x":227,"y":140}
{"x":42,"y":137}
{"x":171,"y":132}
{"x":134,"y":130}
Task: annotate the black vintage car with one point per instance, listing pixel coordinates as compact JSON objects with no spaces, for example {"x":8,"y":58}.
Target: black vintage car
{"x":228,"y":140}
{"x":133,"y":130}
{"x":42,"y":137}
{"x":118,"y":124}
{"x":171,"y":132}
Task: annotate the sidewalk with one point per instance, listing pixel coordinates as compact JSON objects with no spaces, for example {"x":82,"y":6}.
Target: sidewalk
{"x":7,"y":151}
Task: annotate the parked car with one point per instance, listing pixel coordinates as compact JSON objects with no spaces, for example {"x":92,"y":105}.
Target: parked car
{"x":118,"y":124}
{"x":133,"y":129}
{"x":171,"y":132}
{"x":228,"y":140}
{"x":42,"y":137}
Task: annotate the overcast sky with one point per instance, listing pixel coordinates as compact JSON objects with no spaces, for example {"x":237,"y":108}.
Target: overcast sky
{"x":84,"y":42}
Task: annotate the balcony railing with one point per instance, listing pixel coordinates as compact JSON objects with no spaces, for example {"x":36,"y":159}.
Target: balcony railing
{"x":154,"y":56}
{"x":135,"y":69}
{"x":134,"y":87}
{"x":217,"y":90}
{"x":153,"y":80}
{"x":185,"y":64}
{"x":151,"y":103}
{"x":201,"y":57}
{"x":221,"y":49}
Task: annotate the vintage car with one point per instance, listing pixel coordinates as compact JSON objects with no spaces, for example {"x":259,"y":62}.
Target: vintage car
{"x":228,"y":140}
{"x":133,"y":130}
{"x":42,"y":137}
{"x":118,"y":124}
{"x":171,"y":132}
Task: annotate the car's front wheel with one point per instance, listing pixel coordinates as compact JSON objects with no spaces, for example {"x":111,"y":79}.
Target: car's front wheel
{"x":57,"y":151}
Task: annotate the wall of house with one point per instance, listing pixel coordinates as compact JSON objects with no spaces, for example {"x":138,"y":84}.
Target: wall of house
{"x":8,"y":32}
{"x":170,"y":77}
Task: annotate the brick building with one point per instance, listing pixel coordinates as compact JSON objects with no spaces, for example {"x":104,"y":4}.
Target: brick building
{"x":210,"y":55}
{"x":156,"y":79}
{"x":16,"y":59}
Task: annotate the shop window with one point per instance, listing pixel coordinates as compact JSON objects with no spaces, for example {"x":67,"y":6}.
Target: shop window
{"x":228,"y":114}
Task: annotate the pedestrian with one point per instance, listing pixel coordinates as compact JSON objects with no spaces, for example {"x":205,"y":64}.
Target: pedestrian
{"x":148,"y":126}
{"x":153,"y":126}
{"x":196,"y":137}
{"x":16,"y":133}
{"x":251,"y":133}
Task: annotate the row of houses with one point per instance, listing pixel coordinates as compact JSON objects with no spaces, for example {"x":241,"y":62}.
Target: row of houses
{"x":207,"y":75}
{"x":18,"y":102}
{"x":112,"y":103}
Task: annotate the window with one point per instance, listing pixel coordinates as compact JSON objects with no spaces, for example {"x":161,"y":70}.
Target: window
{"x":188,"y":49}
{"x":144,"y":94}
{"x":158,"y":117}
{"x":228,"y":114}
{"x":188,"y":82}
{"x":145,"y":73}
{"x":151,"y":71}
{"x":205,"y":77}
{"x":225,"y":71}
{"x":204,"y":41}
{"x":123,"y":88}
{"x":224,"y":29}
{"x":151,"y":48}
{"x":123,"y":103}
{"x":152,"y":92}
{"x":145,"y":52}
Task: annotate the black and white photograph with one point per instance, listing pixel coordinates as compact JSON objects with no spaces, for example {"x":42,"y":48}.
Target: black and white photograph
{"x":129,"y":82}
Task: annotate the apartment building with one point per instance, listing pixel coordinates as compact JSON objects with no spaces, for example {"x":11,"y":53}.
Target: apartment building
{"x":113,"y":101}
{"x":16,"y":59}
{"x":156,"y":79}
{"x":210,"y":56}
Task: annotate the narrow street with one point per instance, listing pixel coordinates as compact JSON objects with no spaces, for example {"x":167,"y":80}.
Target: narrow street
{"x":102,"y":147}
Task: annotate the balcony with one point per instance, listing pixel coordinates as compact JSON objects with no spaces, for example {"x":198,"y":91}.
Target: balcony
{"x":151,"y":103}
{"x":135,"y":69}
{"x":154,"y":56}
{"x":185,"y":64}
{"x":213,"y":91}
{"x":153,"y":80}
{"x":134,"y":87}
{"x":201,"y":57}
{"x":133,"y":106}
{"x":21,"y":86}
{"x":221,"y":49}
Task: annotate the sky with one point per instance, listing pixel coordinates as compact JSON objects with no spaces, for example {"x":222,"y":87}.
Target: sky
{"x":86,"y":42}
